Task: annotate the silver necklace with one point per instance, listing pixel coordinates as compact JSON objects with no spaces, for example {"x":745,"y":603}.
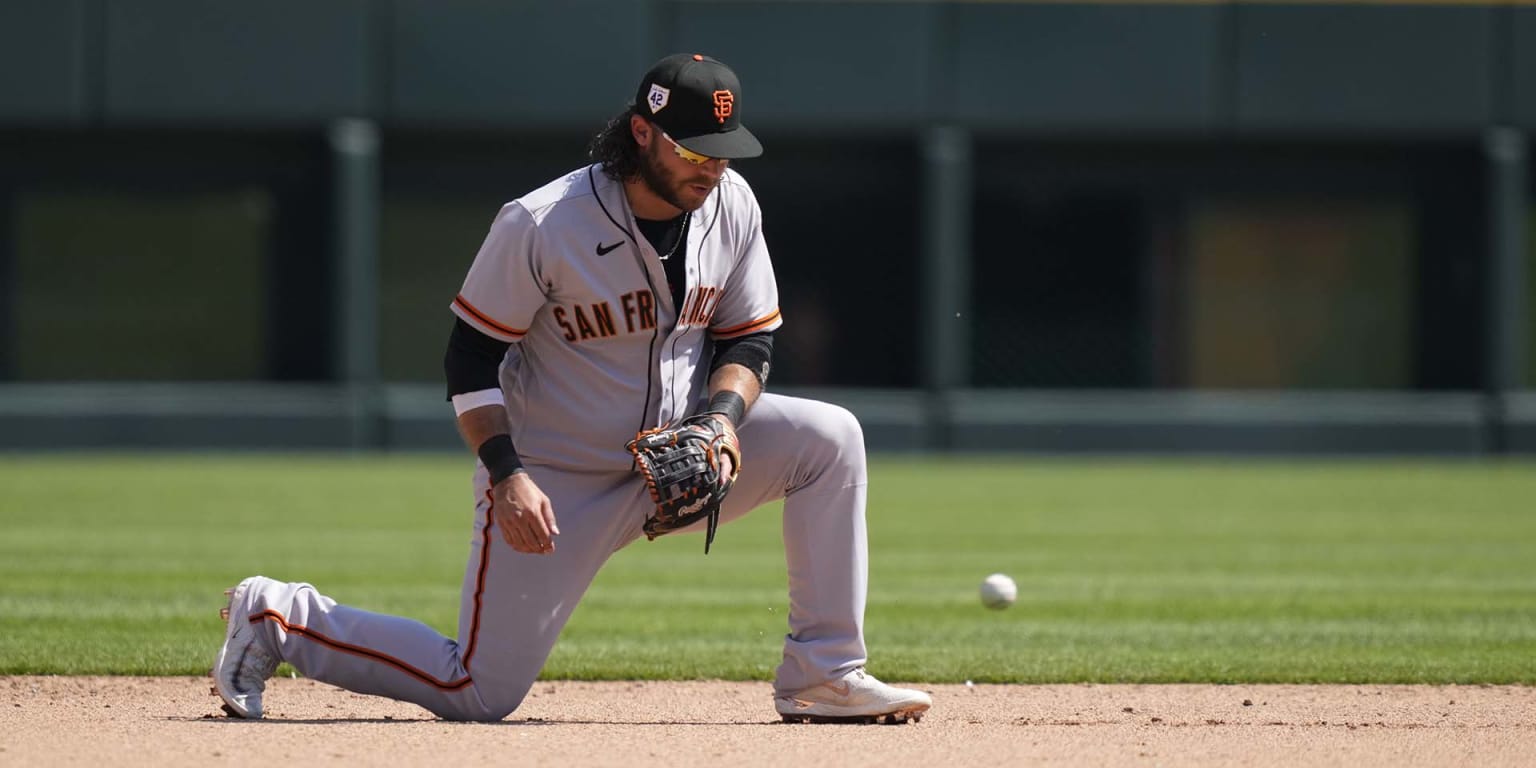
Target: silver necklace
{"x":682,"y":235}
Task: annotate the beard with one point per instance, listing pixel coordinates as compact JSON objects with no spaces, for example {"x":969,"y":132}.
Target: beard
{"x":666,"y":185}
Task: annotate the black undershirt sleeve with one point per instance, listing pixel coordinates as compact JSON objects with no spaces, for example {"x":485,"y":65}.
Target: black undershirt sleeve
{"x":473,"y":360}
{"x":755,"y":351}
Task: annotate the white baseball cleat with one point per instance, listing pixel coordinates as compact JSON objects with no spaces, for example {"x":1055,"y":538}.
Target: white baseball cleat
{"x":856,"y":697}
{"x":241,"y":670}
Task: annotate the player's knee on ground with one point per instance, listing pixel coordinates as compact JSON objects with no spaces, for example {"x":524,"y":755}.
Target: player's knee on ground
{"x":470,"y":709}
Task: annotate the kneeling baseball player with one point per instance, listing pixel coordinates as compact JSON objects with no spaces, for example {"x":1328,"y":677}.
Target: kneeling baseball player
{"x":607,"y":363}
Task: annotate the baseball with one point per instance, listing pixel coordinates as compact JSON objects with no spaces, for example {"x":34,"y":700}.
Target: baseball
{"x":998,"y":591}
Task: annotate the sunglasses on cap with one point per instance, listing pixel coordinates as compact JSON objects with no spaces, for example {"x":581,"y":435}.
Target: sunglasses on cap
{"x":686,"y":153}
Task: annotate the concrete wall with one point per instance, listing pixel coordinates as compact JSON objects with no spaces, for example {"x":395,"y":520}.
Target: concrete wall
{"x":1118,"y":68}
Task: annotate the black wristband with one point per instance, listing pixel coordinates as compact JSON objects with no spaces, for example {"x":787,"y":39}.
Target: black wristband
{"x":499,"y":457}
{"x":728,"y":404}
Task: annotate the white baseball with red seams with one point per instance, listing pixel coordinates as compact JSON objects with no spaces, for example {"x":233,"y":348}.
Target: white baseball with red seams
{"x":598,"y":353}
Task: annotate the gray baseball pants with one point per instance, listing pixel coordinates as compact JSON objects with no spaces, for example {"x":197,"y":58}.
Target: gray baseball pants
{"x":513,"y":605}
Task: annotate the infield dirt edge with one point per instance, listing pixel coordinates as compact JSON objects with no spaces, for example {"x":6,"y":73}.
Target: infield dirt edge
{"x":158,"y":721}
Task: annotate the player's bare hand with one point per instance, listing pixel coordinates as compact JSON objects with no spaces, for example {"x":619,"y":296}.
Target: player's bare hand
{"x":727,"y":466}
{"x":524,"y":515}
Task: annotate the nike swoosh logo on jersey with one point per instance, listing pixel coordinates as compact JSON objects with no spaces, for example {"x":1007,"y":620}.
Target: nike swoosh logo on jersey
{"x":604,"y":250}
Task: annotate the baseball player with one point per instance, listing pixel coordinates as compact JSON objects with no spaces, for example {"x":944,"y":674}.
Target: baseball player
{"x":634,"y":294}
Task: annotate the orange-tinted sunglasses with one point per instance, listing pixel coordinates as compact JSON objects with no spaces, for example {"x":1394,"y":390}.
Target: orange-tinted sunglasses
{"x":686,"y":153}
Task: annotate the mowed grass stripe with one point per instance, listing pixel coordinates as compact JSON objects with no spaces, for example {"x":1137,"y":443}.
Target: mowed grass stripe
{"x":1137,"y":571}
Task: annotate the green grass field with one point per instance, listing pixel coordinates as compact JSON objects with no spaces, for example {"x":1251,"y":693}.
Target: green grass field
{"x":1150,"y":571}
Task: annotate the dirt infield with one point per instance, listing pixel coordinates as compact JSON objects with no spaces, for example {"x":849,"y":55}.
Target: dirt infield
{"x":173,"y":721}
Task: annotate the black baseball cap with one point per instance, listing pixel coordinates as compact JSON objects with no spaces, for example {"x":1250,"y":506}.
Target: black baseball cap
{"x":697,"y":101}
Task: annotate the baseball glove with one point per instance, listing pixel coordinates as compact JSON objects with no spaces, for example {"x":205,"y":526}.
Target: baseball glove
{"x":681,"y":466}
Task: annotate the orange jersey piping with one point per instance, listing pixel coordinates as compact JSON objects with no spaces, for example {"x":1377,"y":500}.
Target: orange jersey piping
{"x":747,"y":327}
{"x":463,"y":303}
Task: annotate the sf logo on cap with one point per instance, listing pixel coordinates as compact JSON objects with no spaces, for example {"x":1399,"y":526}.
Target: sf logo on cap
{"x":724,"y":102}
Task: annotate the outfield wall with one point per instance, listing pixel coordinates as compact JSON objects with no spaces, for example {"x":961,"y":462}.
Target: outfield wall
{"x":1046,"y":226}
{"x":1382,"y":68}
{"x":412,"y":417}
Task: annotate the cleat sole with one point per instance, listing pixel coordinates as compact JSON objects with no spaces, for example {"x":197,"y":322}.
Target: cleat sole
{"x":898,"y":717}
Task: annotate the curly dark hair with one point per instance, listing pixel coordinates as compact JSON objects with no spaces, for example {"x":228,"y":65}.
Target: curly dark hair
{"x":615,"y":148}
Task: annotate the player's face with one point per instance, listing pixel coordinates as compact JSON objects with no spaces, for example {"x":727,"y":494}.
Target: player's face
{"x":682,"y":178}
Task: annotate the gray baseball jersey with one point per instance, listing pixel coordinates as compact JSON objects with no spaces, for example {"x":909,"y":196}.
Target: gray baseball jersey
{"x":598,"y":351}
{"x":565,"y":273}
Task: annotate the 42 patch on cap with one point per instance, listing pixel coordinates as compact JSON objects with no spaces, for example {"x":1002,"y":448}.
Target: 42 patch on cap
{"x":657,"y":98}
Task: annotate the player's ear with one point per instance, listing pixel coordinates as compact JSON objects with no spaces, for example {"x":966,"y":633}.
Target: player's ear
{"x":640,"y":129}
